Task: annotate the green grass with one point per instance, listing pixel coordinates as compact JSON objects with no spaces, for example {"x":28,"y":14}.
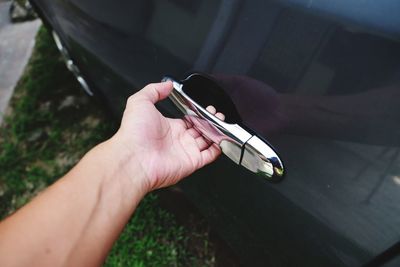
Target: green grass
{"x":39,"y":142}
{"x":21,"y":2}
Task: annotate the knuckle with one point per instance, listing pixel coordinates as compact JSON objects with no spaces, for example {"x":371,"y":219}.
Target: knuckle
{"x":150,"y":86}
{"x":130,"y":100}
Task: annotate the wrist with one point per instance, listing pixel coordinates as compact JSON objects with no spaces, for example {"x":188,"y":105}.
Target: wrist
{"x":118,"y":170}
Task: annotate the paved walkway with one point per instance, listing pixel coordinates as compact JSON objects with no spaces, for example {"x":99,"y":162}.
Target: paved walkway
{"x":16,"y":43}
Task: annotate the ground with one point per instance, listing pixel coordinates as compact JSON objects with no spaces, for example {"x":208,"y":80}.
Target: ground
{"x":16,"y":43}
{"x":48,"y":127}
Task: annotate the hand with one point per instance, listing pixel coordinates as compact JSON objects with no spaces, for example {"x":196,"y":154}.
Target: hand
{"x":165,"y":149}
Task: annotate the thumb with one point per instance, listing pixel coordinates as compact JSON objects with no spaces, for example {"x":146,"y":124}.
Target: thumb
{"x":155,"y":92}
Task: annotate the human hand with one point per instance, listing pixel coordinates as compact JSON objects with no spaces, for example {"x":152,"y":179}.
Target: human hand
{"x":166,"y":150}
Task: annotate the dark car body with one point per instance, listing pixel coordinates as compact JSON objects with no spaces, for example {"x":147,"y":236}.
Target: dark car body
{"x":320,"y":80}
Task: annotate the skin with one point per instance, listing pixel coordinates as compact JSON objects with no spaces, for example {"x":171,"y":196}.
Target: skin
{"x":75,"y":221}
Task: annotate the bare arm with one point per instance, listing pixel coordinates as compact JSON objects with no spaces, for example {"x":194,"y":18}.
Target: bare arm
{"x":75,"y":221}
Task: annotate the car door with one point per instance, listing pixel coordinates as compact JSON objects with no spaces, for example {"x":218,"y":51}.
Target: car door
{"x":319,"y":80}
{"x":328,"y":102}
{"x":122,"y":47}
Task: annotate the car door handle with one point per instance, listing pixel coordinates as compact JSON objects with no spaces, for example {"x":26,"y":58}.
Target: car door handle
{"x":242,"y":146}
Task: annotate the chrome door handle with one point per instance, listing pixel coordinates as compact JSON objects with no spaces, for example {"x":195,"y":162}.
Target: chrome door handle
{"x":240,"y":145}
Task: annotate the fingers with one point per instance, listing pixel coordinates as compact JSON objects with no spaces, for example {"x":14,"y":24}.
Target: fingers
{"x":213,"y":111}
{"x":209,"y":151}
{"x":220,"y":116}
{"x":202,"y":143}
{"x":155,"y":92}
{"x":210,"y":154}
{"x":193,"y":132}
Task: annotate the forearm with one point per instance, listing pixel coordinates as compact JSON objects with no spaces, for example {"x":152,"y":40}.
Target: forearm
{"x":75,"y":221}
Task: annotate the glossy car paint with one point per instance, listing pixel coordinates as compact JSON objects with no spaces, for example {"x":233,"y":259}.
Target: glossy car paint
{"x":319,"y":79}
